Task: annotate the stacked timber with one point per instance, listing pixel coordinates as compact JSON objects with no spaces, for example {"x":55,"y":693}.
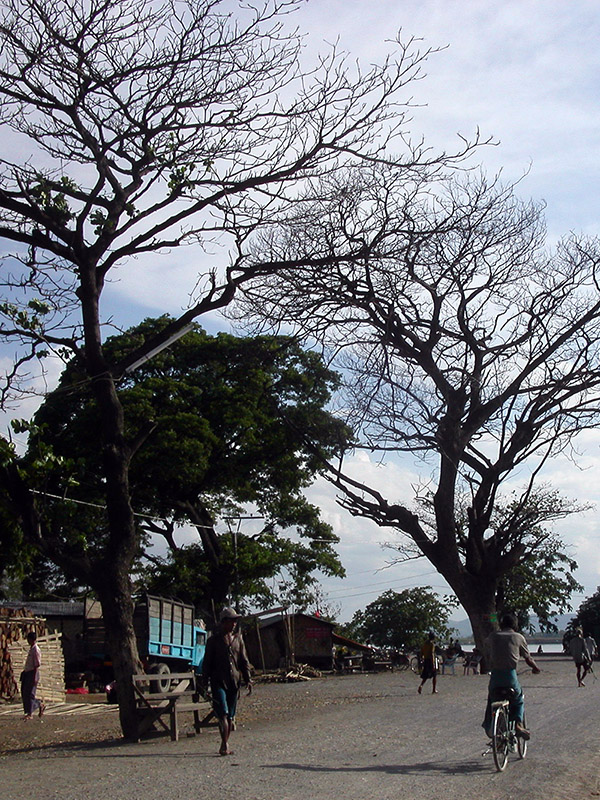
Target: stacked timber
{"x":15,"y":624}
{"x":51,"y":687}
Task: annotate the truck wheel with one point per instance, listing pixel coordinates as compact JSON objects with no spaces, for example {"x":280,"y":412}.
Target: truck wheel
{"x":162,"y":683}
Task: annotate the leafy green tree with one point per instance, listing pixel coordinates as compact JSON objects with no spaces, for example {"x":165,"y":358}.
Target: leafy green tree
{"x":230,"y":421}
{"x":403,"y":619}
{"x":541,"y":584}
{"x":262,"y":571}
{"x":32,"y":576}
{"x":587,"y":617}
{"x":15,"y":552}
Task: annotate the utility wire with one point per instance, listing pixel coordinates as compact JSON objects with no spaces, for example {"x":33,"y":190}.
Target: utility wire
{"x":384,"y":583}
{"x":103,"y":508}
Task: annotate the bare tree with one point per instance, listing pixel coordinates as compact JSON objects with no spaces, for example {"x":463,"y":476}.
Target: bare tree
{"x":131,"y":128}
{"x":464,"y":343}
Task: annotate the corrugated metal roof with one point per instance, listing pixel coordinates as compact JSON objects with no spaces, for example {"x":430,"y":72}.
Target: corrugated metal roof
{"x":47,"y":608}
{"x":265,"y":623}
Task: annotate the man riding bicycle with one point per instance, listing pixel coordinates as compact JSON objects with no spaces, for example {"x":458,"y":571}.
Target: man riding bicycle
{"x":503,"y":649}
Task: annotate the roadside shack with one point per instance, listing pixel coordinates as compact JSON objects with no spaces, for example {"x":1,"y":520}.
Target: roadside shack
{"x":284,"y":639}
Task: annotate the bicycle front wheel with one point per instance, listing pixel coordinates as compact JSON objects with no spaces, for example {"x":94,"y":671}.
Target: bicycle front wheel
{"x":522,"y":743}
{"x":500,"y":745}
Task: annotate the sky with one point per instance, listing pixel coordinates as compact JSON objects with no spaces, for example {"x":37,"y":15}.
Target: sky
{"x":527,"y":74}
{"x":524,"y":72}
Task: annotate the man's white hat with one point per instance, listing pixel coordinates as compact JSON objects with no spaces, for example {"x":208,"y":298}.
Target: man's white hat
{"x":229,"y":613}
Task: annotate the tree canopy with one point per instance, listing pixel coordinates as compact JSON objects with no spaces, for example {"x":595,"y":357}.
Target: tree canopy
{"x":542,"y":584}
{"x":467,"y":345}
{"x":263,"y":571}
{"x":588,"y":617}
{"x":230,"y":418}
{"x":542,"y":581}
{"x":402,"y":619}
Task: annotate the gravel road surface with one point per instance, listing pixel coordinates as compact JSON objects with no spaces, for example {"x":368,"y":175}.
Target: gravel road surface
{"x":361,"y":736}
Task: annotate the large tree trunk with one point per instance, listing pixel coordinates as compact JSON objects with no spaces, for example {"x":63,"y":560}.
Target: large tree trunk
{"x":117,"y":611}
{"x":113,"y":584}
{"x":478,"y":598}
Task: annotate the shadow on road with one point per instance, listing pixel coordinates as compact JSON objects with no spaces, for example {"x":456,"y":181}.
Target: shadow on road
{"x":454,"y":768}
{"x":65,"y":747}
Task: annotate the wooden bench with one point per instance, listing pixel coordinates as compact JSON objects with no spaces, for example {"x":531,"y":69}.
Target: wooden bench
{"x":382,"y":664}
{"x":153,"y":706}
{"x":353,"y":663}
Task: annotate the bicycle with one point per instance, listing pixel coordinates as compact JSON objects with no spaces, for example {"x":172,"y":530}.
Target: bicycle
{"x":405,"y":661}
{"x":504,"y":737}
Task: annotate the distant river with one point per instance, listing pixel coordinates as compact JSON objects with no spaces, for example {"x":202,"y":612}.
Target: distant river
{"x":546,"y":648}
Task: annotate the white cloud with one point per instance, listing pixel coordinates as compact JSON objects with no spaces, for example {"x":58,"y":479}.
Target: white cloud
{"x":367,"y":564}
{"x":524,"y":71}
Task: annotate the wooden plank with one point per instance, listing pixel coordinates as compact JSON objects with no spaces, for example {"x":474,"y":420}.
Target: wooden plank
{"x":173,"y":721}
{"x":155,"y":696}
{"x":181,"y":706}
{"x":149,"y":676}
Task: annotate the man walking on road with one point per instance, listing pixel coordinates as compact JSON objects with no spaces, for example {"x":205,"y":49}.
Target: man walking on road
{"x":30,"y":677}
{"x":429,"y":666}
{"x":225,"y":667}
{"x":503,"y":649}
{"x":582,"y":651}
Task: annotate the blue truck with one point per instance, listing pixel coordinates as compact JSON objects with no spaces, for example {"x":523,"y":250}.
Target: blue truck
{"x":169,"y":639}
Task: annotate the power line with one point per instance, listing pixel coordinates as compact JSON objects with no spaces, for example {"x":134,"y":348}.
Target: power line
{"x":373,"y":591}
{"x":384,"y":583}
{"x":103,"y":508}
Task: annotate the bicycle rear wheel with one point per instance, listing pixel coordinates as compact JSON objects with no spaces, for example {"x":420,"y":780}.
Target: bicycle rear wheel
{"x":522,"y":743}
{"x":401,"y":662}
{"x":500,"y":745}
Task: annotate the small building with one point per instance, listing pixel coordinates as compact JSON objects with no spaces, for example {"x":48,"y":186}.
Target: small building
{"x":276,"y":642}
{"x":65,"y":618}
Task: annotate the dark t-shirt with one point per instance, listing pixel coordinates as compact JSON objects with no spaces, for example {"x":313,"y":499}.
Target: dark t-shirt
{"x":226,"y":664}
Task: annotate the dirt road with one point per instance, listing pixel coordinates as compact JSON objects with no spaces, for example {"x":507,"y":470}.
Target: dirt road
{"x":364,"y":737}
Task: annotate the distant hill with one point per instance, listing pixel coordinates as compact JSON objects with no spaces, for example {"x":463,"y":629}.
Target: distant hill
{"x":560,"y":620}
{"x":463,"y":626}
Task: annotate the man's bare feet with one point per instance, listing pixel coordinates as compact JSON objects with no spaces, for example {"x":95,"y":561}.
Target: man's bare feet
{"x":522,"y":731}
{"x":420,"y":689}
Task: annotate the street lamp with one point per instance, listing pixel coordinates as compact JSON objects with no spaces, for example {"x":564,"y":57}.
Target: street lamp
{"x":159,"y":347}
